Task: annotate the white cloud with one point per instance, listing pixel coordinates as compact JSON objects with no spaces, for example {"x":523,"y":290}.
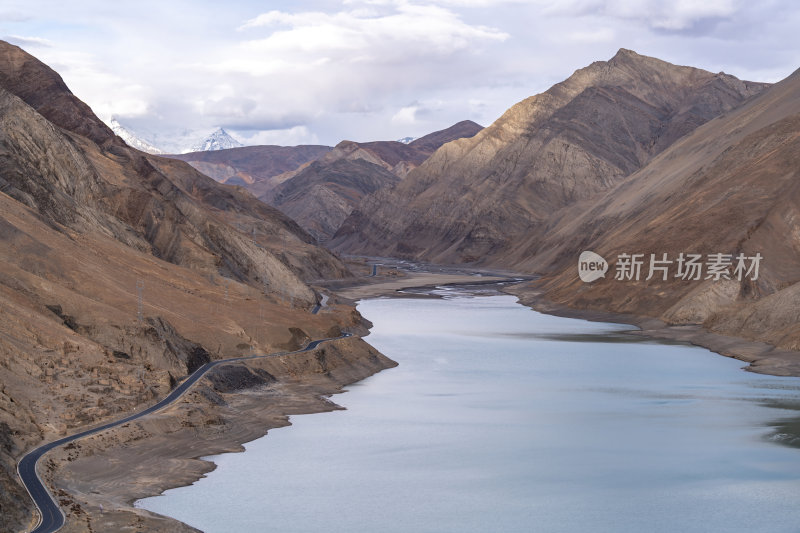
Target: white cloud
{"x":28,"y":42}
{"x":600,"y":35}
{"x":406,"y":115}
{"x":352,"y":61}
{"x":286,"y":137}
{"x":450,"y":3}
{"x":267,"y":19}
{"x":355,"y":69}
{"x":112,"y":93}
{"x":667,"y":15}
{"x":409,"y":30}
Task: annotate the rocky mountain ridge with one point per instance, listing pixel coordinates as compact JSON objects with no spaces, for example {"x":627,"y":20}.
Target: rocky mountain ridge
{"x":321,"y":194}
{"x":731,"y":188}
{"x":474,"y":199}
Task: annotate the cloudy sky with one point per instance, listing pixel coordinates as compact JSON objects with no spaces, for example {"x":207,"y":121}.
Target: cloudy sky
{"x":306,"y":71}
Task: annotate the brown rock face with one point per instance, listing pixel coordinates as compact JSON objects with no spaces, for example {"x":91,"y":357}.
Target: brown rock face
{"x":322,"y":194}
{"x":122,"y":272}
{"x":401,"y":158}
{"x":729,"y":187}
{"x":475,"y":199}
{"x":153,"y":204}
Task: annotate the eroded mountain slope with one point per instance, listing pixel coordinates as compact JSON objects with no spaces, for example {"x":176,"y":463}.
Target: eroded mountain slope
{"x":474,"y":199}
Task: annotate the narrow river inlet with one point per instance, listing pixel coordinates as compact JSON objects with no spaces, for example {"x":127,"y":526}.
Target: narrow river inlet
{"x":503,"y":419}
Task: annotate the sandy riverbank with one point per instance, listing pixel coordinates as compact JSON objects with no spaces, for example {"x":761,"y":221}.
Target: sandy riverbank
{"x":390,"y":287}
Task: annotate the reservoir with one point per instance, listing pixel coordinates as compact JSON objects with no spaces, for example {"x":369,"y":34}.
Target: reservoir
{"x":503,"y":419}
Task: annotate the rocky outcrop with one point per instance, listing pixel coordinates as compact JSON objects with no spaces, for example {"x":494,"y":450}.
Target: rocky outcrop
{"x":474,"y":200}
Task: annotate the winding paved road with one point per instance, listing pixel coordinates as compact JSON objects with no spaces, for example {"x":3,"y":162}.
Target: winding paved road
{"x":320,"y":305}
{"x":51,"y":515}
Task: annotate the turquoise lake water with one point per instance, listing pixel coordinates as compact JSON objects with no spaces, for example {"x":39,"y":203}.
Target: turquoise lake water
{"x":501,"y":419}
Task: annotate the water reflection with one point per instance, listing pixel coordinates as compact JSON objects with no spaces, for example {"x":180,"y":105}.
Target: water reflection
{"x":603,"y":337}
{"x":785,"y":432}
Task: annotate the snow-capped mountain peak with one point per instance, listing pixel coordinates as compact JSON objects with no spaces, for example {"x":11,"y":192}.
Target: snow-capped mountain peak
{"x":406,"y":140}
{"x":173,"y":140}
{"x":218,"y":140}
{"x":132,"y":140}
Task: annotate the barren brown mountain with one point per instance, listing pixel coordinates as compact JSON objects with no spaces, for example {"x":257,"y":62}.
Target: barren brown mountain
{"x":730,"y":187}
{"x":120,"y":273}
{"x":320,"y":195}
{"x":256,"y":168}
{"x":475,"y":199}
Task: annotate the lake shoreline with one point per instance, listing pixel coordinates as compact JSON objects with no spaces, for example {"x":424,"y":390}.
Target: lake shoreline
{"x":247,"y":419}
{"x":583,"y":420}
{"x":762,"y":358}
{"x":99,"y":479}
{"x":393,"y":287}
{"x":165,"y":450}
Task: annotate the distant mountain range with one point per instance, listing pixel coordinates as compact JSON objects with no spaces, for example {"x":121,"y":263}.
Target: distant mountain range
{"x":256,"y":168}
{"x":316,"y":185}
{"x":320,"y":195}
{"x":319,"y":186}
{"x":183,"y":142}
{"x":175,"y":143}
